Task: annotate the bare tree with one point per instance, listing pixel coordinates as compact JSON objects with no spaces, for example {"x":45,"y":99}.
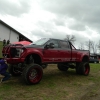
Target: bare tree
{"x":98,"y":46}
{"x":92,"y":46}
{"x":70,"y":38}
{"x":88,"y":45}
{"x":81,"y":46}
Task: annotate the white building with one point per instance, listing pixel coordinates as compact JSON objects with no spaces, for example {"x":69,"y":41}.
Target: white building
{"x":9,"y":33}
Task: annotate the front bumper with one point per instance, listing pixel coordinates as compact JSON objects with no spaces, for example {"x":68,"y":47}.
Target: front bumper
{"x":14,"y":60}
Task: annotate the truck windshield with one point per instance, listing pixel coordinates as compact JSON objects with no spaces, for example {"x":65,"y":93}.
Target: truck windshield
{"x":40,"y":42}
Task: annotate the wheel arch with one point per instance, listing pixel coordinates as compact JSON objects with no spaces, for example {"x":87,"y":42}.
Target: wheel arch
{"x":85,"y":58}
{"x":37,"y":58}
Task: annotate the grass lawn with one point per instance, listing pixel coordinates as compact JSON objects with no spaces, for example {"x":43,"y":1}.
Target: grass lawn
{"x":55,"y":85}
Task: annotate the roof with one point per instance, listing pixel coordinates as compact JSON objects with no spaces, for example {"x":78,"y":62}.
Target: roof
{"x":55,"y":39}
{"x":14,"y":30}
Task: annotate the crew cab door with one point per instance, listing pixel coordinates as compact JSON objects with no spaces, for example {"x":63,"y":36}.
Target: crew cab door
{"x":50,"y":52}
{"x":64,"y":51}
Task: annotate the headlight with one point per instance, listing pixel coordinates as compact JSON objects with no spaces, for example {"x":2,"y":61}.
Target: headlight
{"x":19,"y":51}
{"x":16,"y":52}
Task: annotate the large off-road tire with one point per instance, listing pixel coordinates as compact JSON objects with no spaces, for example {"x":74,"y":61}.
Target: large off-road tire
{"x":32,"y":74}
{"x":62,"y":67}
{"x":14,"y":71}
{"x":83,"y":68}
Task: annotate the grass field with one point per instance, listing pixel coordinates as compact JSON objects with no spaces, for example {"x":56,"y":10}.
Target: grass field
{"x":55,"y":85}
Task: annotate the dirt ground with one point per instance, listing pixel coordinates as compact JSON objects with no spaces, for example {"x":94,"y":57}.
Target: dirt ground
{"x":91,"y":94}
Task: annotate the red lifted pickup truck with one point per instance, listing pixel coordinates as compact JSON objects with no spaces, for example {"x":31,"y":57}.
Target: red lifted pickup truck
{"x":30,"y":60}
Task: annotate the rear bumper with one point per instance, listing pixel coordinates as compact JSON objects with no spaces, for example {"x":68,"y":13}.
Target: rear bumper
{"x":14,"y":60}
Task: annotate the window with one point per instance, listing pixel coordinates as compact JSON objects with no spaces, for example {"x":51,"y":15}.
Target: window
{"x":64,"y":44}
{"x":55,"y":42}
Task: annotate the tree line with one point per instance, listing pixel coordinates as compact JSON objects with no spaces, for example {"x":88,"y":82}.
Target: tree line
{"x":90,"y":45}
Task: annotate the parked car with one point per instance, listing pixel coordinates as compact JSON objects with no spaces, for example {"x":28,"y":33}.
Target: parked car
{"x":94,"y":60}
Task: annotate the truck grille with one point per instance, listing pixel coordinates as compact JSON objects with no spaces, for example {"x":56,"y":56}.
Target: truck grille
{"x":11,"y":51}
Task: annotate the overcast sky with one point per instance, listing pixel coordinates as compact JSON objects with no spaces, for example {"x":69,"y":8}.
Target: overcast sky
{"x":53,"y":18}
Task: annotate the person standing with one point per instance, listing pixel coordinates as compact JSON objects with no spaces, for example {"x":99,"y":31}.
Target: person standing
{"x":4,"y":42}
{"x":8,"y":42}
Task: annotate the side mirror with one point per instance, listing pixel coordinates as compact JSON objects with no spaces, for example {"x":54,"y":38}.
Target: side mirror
{"x":51,"y":45}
